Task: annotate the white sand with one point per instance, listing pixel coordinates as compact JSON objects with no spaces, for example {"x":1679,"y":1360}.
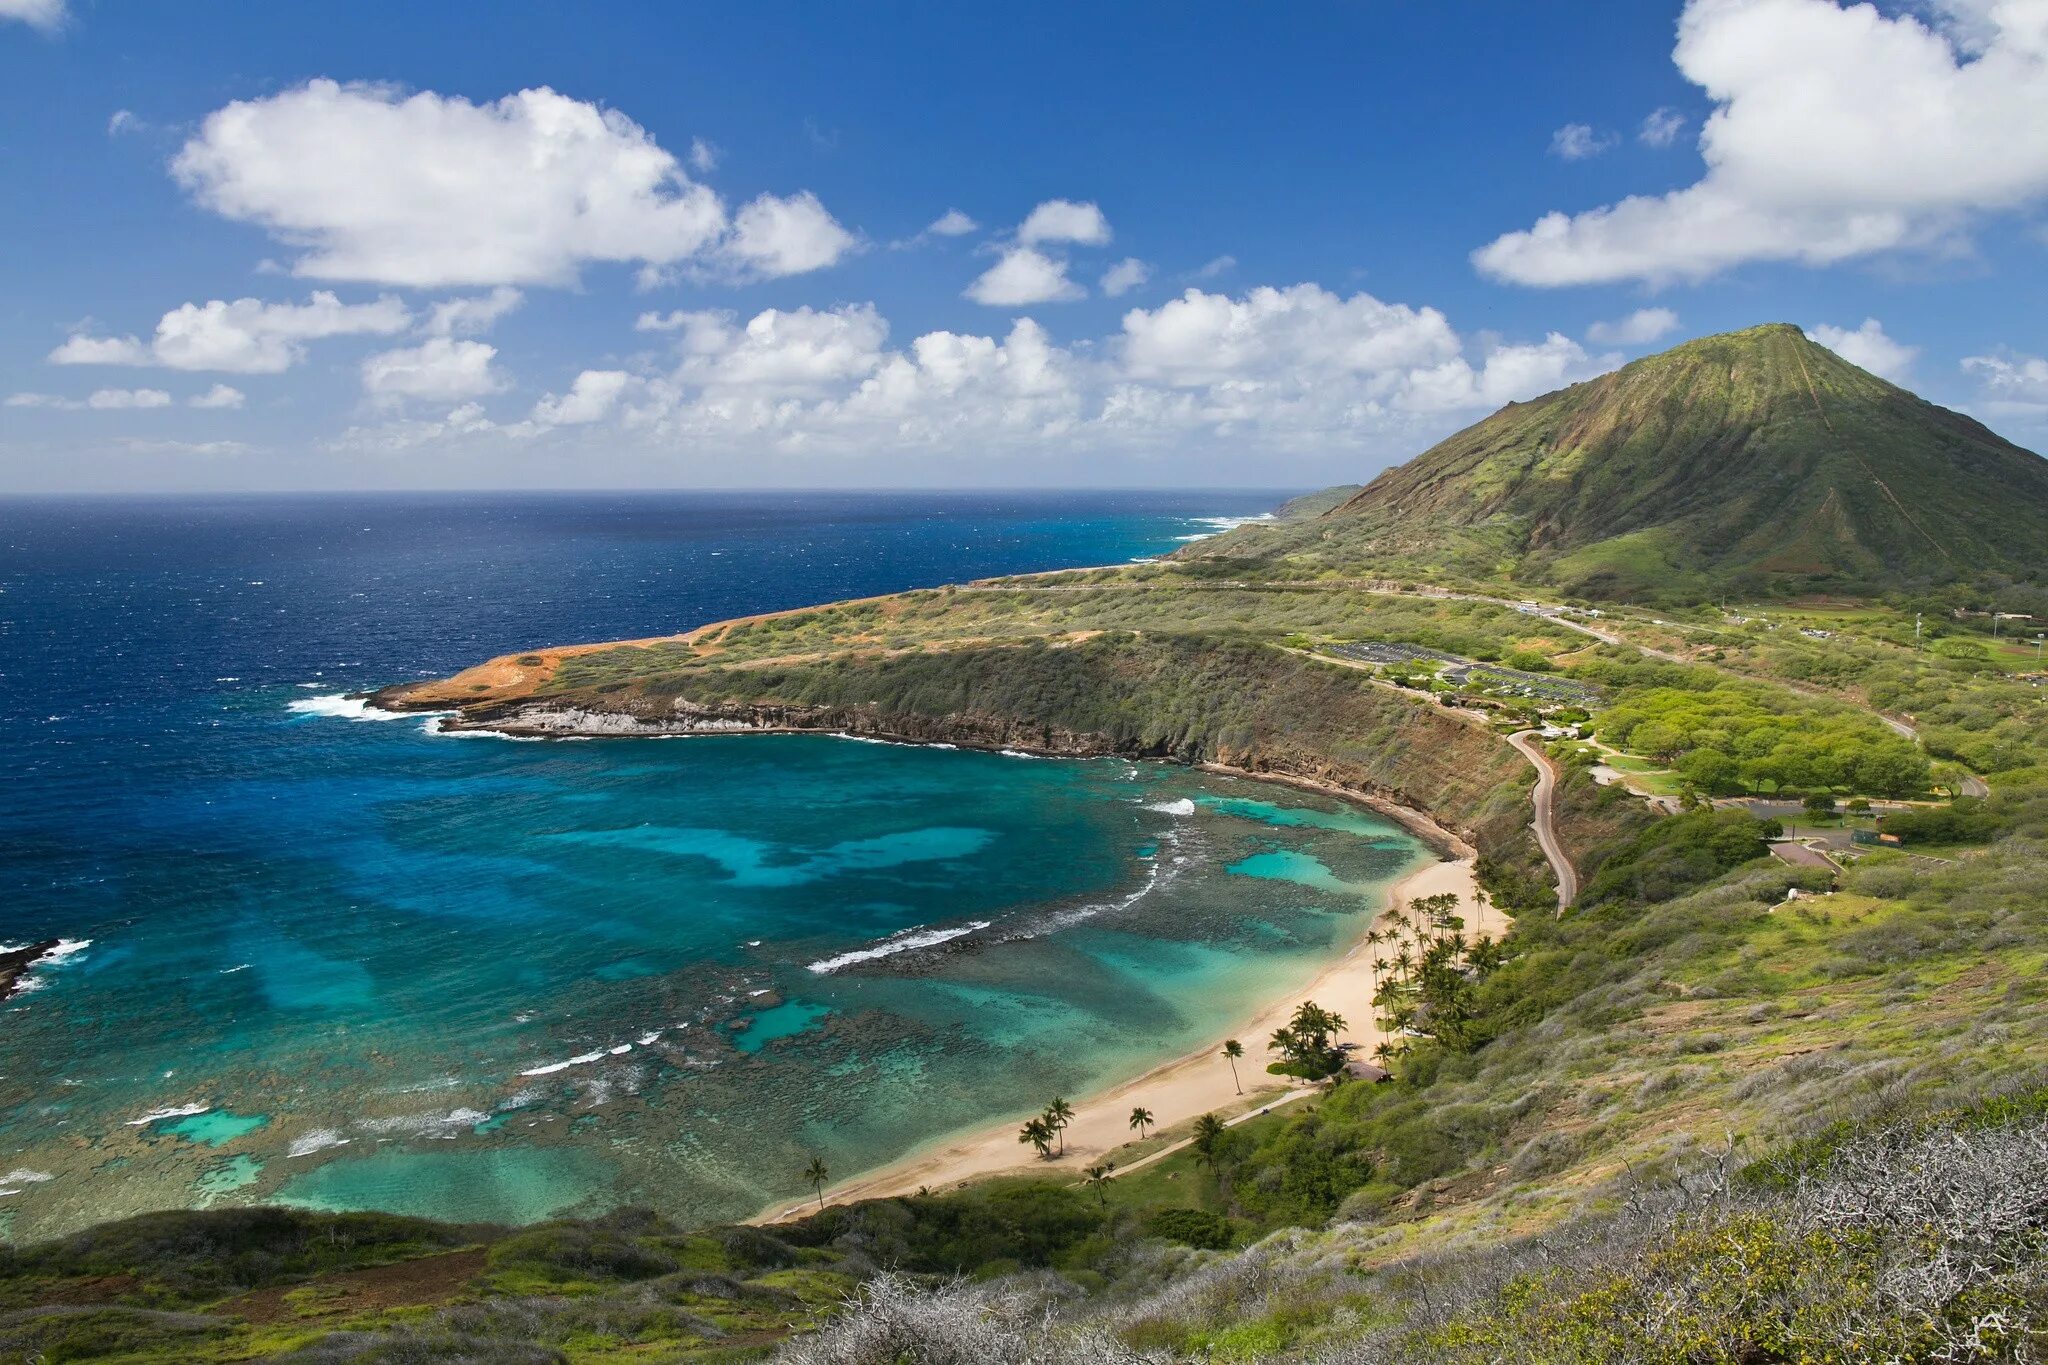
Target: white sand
{"x":1180,"y":1090}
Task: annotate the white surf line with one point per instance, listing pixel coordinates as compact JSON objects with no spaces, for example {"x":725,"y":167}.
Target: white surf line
{"x":902,"y":941}
{"x":341,"y":706}
{"x":177,"y":1111}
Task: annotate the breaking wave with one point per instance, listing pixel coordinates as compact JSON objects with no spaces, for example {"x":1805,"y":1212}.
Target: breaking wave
{"x":905,"y":941}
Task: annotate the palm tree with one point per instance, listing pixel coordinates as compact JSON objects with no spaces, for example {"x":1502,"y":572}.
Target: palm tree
{"x":1232,"y":1049}
{"x":815,"y":1175}
{"x":1038,"y":1133}
{"x":1208,"y":1131}
{"x":1141,"y":1119}
{"x":1097,"y":1179}
{"x":1058,"y":1115}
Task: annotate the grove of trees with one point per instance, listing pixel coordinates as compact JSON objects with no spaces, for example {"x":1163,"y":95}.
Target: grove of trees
{"x":1745,"y":739}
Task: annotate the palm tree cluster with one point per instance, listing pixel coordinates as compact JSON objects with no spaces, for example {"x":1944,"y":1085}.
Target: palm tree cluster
{"x":1307,"y":1045}
{"x":1051,"y":1126}
{"x":1426,"y":986}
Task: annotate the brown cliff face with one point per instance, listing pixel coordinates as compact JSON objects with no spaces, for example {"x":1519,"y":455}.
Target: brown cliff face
{"x":1201,"y":702}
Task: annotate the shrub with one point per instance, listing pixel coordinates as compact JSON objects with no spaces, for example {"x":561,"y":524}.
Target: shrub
{"x":1191,"y":1227}
{"x":569,"y":1252}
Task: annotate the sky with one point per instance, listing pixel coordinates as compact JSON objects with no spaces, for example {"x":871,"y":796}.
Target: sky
{"x":364,"y":245}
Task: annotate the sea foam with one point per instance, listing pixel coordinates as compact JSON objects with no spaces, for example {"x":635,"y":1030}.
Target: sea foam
{"x":340,"y":706}
{"x":66,"y":949}
{"x":176,"y":1111}
{"x":1218,"y":525}
{"x":319,"y":1140}
{"x":901,"y":942}
{"x":582,"y":1059}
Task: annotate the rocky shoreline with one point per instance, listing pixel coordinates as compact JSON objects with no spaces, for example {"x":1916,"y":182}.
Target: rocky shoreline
{"x":16,"y":965}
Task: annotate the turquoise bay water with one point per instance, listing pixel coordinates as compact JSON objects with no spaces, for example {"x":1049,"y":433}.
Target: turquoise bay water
{"x":344,"y":962}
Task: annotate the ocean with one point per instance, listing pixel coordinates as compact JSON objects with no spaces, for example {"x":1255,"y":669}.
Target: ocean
{"x":319,"y":956}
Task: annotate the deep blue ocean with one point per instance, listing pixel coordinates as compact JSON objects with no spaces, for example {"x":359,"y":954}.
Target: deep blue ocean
{"x":318,"y":957}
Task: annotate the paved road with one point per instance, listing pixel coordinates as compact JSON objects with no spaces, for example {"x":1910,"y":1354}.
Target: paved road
{"x":1246,"y":1117}
{"x":1545,"y":823}
{"x":1799,"y":855}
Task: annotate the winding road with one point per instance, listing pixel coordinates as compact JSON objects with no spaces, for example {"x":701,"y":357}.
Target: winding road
{"x":1545,"y":823}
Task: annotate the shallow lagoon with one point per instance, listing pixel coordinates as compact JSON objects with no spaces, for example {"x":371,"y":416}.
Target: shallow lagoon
{"x":513,"y":980}
{"x":350,"y":963}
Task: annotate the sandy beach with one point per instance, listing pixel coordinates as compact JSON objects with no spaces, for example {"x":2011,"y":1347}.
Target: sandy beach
{"x":1189,"y":1086}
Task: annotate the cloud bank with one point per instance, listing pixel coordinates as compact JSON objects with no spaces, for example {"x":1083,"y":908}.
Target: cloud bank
{"x":1836,"y":133}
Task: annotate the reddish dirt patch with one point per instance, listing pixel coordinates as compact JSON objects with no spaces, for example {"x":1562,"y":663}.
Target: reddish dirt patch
{"x":1975,"y":978}
{"x":98,"y":1289}
{"x":430,"y":1279}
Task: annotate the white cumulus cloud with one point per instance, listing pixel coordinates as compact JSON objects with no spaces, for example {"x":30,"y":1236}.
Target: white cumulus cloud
{"x":1639,"y":328}
{"x":473,"y":314}
{"x":47,"y":15}
{"x":247,"y":336}
{"x":1064,"y":220}
{"x":1578,"y":141}
{"x":219,"y":396}
{"x":2011,"y":378}
{"x":784,"y":350}
{"x":439,"y":369}
{"x":102,"y":400}
{"x":952,"y":223}
{"x":589,"y":399}
{"x":1869,"y":347}
{"x":1661,"y":127}
{"x":774,"y":236}
{"x":433,"y":191}
{"x":1126,"y":275}
{"x":1305,"y":330}
{"x":1023,"y":276}
{"x":1837,"y":132}
{"x":1270,"y":369}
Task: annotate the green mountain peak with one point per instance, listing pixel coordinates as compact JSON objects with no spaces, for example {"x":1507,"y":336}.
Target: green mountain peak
{"x":1755,"y":460}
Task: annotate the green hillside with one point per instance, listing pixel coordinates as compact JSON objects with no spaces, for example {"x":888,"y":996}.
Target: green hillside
{"x":1316,"y":503}
{"x":1754,"y":461}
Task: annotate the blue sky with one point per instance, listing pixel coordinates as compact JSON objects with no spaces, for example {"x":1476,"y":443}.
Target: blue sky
{"x":372,"y":245}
